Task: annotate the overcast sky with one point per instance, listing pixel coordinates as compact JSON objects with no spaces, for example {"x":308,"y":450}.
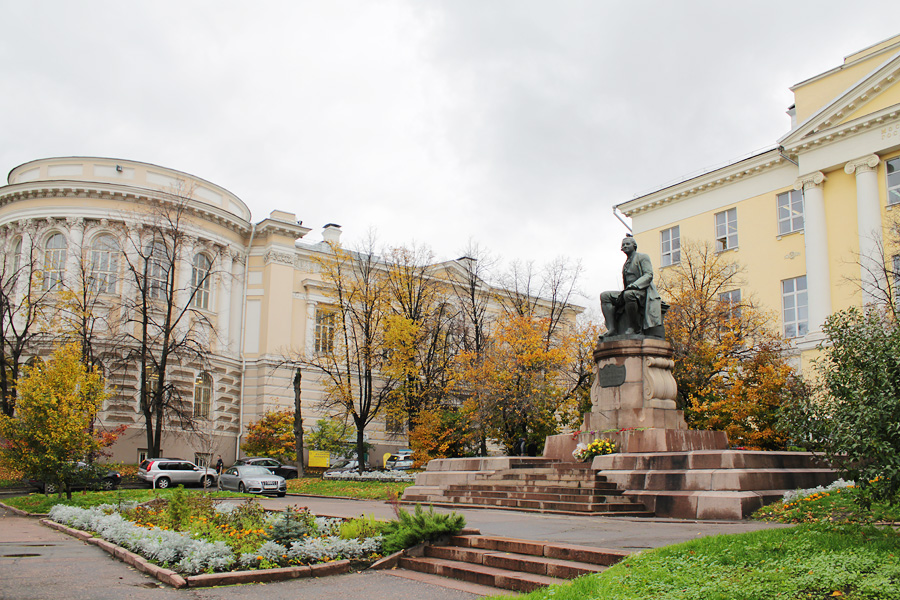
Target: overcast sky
{"x":517,"y":124}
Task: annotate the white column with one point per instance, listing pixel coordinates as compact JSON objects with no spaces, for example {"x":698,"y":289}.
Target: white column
{"x":868,"y":216}
{"x":74,"y":254}
{"x":311,"y":327}
{"x":223,"y":296}
{"x":27,"y":259}
{"x":818,"y":274}
{"x":185,"y":267}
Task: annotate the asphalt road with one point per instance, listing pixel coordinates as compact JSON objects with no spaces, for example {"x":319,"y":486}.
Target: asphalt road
{"x":38,"y":563}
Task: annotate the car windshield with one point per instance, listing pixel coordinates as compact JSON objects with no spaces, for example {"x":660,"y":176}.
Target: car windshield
{"x":341,"y":464}
{"x":254,"y":470}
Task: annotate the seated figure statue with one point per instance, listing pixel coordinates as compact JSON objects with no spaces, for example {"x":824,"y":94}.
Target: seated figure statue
{"x":638,"y":309}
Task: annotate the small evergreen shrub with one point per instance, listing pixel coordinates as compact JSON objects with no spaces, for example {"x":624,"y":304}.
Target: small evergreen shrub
{"x":419,"y":526}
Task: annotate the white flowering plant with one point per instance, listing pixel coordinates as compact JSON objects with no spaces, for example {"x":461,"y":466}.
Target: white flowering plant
{"x":221,"y":537}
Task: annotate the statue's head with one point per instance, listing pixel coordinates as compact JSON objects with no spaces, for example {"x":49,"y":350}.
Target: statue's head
{"x":629,"y":245}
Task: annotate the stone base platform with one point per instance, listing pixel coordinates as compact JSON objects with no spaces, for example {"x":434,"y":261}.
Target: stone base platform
{"x":711,"y":484}
{"x":560,"y":447}
{"x":521,"y":483}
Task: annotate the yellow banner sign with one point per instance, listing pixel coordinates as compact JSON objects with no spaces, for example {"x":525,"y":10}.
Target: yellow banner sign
{"x":319,"y":458}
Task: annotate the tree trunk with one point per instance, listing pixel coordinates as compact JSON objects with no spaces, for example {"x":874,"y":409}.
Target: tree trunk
{"x":298,"y":421}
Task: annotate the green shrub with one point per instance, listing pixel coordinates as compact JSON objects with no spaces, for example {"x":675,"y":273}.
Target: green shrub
{"x":420,"y":526}
{"x":292,"y":525}
{"x":361,"y":528}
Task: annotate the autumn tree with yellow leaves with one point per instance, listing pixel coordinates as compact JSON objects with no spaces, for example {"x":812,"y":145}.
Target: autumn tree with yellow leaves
{"x":57,"y":404}
{"x":518,"y":382}
{"x":731,"y":365}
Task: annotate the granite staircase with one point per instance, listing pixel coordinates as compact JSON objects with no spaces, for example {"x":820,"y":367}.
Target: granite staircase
{"x":508,"y":563}
{"x":535,"y":485}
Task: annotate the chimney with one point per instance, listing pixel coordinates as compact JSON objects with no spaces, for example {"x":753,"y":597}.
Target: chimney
{"x":331,"y":233}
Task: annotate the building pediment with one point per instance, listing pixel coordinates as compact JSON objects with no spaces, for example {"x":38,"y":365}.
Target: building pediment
{"x":865,"y":105}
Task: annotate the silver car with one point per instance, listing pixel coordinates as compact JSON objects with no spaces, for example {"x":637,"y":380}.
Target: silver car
{"x":252,"y":479}
{"x":165,"y":472}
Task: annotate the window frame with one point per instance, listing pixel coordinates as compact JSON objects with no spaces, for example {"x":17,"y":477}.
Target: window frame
{"x":795,"y":327}
{"x":325,"y":323}
{"x":157,"y":270}
{"x":200,"y":281}
{"x":726,"y":230}
{"x":203,"y":385}
{"x":789,"y":201}
{"x":733,"y":299}
{"x":54,"y":261}
{"x":104,"y":264}
{"x":892,"y":171}
{"x":672,"y":255}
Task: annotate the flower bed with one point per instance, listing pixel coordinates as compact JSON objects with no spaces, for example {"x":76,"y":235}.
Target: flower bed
{"x":225,"y":538}
{"x":400,"y":476}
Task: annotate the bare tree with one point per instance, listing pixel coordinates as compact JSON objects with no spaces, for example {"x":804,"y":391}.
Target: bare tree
{"x":298,"y":420}
{"x":880,"y":271}
{"x":546,"y":295}
{"x":164,"y":326}
{"x":23,"y":310}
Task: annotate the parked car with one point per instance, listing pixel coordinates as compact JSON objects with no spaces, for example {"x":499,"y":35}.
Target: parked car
{"x":286,"y":471}
{"x":252,"y":479}
{"x":101,"y":479}
{"x":165,"y":472}
{"x":342,"y":466}
{"x":401,"y":461}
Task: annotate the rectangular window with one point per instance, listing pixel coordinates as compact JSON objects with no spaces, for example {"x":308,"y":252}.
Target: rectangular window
{"x":324,"y":330}
{"x":794,"y":307}
{"x":202,"y":459}
{"x":893,"y":181}
{"x":394,"y":425}
{"x":732,"y":300}
{"x":670,"y":240}
{"x":895,"y":276}
{"x":726,"y":230}
{"x":790,"y":212}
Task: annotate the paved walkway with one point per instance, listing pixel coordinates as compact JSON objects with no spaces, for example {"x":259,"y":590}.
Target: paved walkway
{"x":39,"y":563}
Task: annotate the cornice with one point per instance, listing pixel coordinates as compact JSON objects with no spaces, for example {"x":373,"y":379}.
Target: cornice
{"x":739,"y":171}
{"x":80,"y":190}
{"x":881,"y":118}
{"x":274,"y":227}
{"x":826,"y":122}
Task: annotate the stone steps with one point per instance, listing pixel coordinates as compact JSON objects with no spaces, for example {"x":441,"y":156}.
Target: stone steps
{"x":508,"y":563}
{"x":547,"y":487}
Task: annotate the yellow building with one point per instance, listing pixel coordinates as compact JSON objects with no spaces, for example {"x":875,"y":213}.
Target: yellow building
{"x":809,"y":218}
{"x":255,"y":288}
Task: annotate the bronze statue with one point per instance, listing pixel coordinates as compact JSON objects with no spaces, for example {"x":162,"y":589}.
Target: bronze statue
{"x":638,"y":309}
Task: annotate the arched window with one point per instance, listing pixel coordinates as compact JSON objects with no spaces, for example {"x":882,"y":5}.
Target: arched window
{"x":15,"y":257}
{"x":54,"y":261}
{"x":200,"y":281}
{"x":158,"y":271}
{"x":104,"y":264}
{"x":202,"y":394}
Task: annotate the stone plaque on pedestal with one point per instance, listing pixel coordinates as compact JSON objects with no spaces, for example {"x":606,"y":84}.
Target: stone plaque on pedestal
{"x":634,"y":386}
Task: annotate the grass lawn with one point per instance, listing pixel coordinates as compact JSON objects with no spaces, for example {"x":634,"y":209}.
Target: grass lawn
{"x":363,"y":490}
{"x":823,"y":560}
{"x":39,"y":503}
